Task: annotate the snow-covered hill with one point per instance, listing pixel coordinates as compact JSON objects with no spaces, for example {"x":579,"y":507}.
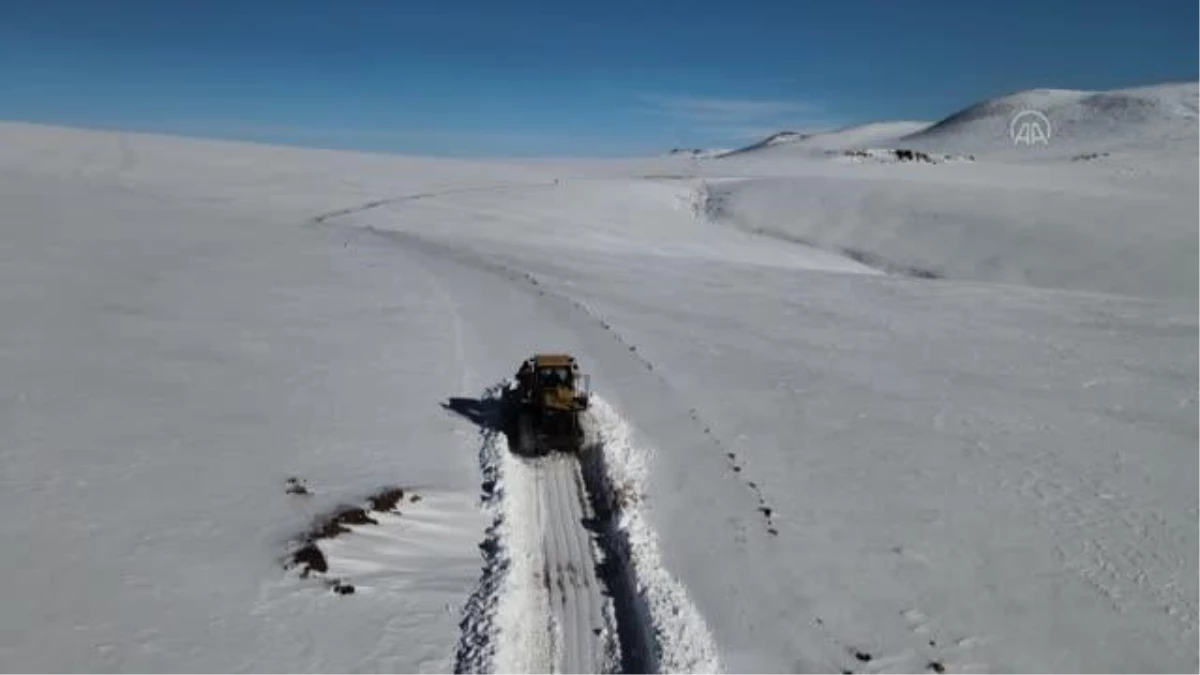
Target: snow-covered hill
{"x":809,"y":460}
{"x":787,"y":143}
{"x":1108,"y":204}
{"x":1161,"y":118}
{"x":1157,"y":117}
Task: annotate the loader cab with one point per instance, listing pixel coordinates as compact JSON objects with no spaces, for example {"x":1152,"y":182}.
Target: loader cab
{"x":548,"y":404}
{"x":554,"y":373}
{"x":555,"y":376}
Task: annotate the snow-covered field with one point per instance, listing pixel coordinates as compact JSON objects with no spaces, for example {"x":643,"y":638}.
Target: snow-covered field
{"x":853,"y":416}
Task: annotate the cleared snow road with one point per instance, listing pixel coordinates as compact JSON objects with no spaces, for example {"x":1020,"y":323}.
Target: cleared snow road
{"x":572,"y":580}
{"x":541,"y":604}
{"x":563,"y":564}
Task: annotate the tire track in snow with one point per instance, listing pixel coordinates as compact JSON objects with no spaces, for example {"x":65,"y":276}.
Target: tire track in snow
{"x":710,"y":207}
{"x":765,"y":511}
{"x":323,"y":218}
{"x":736,"y":466}
{"x":702,"y":208}
{"x":575,"y":596}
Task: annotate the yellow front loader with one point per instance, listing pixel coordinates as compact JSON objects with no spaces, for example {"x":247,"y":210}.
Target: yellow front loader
{"x":548,"y":405}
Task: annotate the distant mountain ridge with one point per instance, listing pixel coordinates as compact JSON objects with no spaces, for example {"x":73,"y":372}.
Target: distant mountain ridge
{"x":1078,"y":121}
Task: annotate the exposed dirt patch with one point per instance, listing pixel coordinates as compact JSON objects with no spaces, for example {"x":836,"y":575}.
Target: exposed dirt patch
{"x":309,"y":559}
{"x":335,"y":524}
{"x":386,"y":499}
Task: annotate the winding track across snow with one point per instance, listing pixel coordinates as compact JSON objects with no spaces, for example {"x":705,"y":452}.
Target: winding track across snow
{"x":572,"y":579}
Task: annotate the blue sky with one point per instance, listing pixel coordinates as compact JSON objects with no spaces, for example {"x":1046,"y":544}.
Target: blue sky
{"x":615,"y":77}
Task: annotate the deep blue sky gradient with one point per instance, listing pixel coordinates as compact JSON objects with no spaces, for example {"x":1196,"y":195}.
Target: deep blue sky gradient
{"x":533,"y":78}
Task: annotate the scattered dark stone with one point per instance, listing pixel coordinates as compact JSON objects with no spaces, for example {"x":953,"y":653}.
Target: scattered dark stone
{"x":737,"y":469}
{"x":862,"y":656}
{"x":766,"y":511}
{"x":773,"y":532}
{"x":905,"y":155}
{"x":596,"y":631}
{"x":933,"y":643}
{"x":296,"y":486}
{"x":343,"y":589}
{"x":386,"y":499}
{"x":356,"y":516}
{"x":847,"y":672}
{"x":416,"y":498}
{"x":310,"y":559}
{"x":752,"y":484}
{"x":936,"y":667}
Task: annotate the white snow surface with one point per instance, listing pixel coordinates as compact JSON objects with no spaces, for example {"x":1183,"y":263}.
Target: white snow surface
{"x":834,"y":468}
{"x":987,"y":222}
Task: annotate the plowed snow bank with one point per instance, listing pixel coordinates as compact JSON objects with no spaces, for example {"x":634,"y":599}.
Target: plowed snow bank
{"x":680,"y":635}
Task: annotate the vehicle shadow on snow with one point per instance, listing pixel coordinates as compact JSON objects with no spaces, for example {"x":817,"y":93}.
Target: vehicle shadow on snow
{"x":485,"y":413}
{"x":491,"y":414}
